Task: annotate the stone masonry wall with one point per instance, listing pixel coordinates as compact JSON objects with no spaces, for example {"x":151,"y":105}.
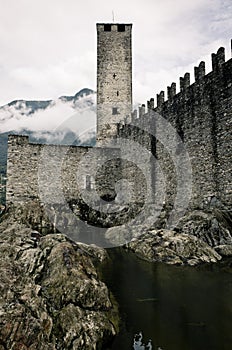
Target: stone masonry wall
{"x":201,"y":113}
{"x":22,"y":169}
{"x":54,"y":174}
{"x":114,"y":77}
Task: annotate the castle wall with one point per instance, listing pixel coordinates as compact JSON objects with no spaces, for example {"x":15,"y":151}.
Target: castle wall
{"x":223,"y":115}
{"x":201,"y":114}
{"x":22,"y":169}
{"x":57,"y":174}
{"x":136,"y":148}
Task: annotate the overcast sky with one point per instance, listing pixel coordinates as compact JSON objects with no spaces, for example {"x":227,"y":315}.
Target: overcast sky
{"x":48,"y":47}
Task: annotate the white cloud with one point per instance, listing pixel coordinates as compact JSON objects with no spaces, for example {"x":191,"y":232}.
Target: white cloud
{"x":57,"y":119}
{"x":48,"y":48}
{"x":57,"y":79}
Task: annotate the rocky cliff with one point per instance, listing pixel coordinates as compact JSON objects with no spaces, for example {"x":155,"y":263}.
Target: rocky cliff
{"x":51,"y":296}
{"x":200,"y":237}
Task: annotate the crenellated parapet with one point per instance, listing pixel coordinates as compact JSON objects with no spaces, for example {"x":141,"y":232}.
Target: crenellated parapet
{"x":160,"y":98}
{"x":201,"y":115}
{"x":184,"y":82}
{"x":142,"y":110}
{"x":150,"y":104}
{"x":200,"y":77}
{"x":171,"y":91}
{"x":134,"y":116}
{"x":218,"y":59}
{"x":188,"y":91}
{"x":199,"y":72}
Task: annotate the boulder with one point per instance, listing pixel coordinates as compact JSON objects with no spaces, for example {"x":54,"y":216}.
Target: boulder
{"x":172,"y":248}
{"x":50,"y":294}
{"x":213,"y":227}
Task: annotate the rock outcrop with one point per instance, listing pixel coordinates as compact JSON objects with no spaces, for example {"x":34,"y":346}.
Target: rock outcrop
{"x":172,"y":248}
{"x":213,"y":227}
{"x":199,"y":237}
{"x":51,"y":297}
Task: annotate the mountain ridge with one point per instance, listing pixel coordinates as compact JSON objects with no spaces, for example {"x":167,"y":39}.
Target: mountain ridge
{"x":44,"y":121}
{"x":43,"y":104}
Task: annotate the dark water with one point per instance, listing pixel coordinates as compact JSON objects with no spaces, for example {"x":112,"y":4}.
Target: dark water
{"x":178,"y":308}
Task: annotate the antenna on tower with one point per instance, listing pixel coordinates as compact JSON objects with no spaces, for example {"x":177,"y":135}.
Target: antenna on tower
{"x":113,"y":15}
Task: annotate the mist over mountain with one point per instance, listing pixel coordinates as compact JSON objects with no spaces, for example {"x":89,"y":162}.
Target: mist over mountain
{"x":53,"y":121}
{"x":67,"y":120}
{"x":30,"y":107}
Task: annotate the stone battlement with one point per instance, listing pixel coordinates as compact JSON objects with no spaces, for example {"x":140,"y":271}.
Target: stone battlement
{"x":200,"y":114}
{"x":221,"y":71}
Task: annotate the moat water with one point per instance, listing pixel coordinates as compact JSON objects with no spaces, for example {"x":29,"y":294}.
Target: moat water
{"x":167,"y":307}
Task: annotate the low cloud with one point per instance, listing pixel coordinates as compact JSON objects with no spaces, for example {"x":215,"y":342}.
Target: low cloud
{"x":54,"y":122}
{"x":48,"y":48}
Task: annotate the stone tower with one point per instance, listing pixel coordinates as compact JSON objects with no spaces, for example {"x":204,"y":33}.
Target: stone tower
{"x":114,"y":77}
